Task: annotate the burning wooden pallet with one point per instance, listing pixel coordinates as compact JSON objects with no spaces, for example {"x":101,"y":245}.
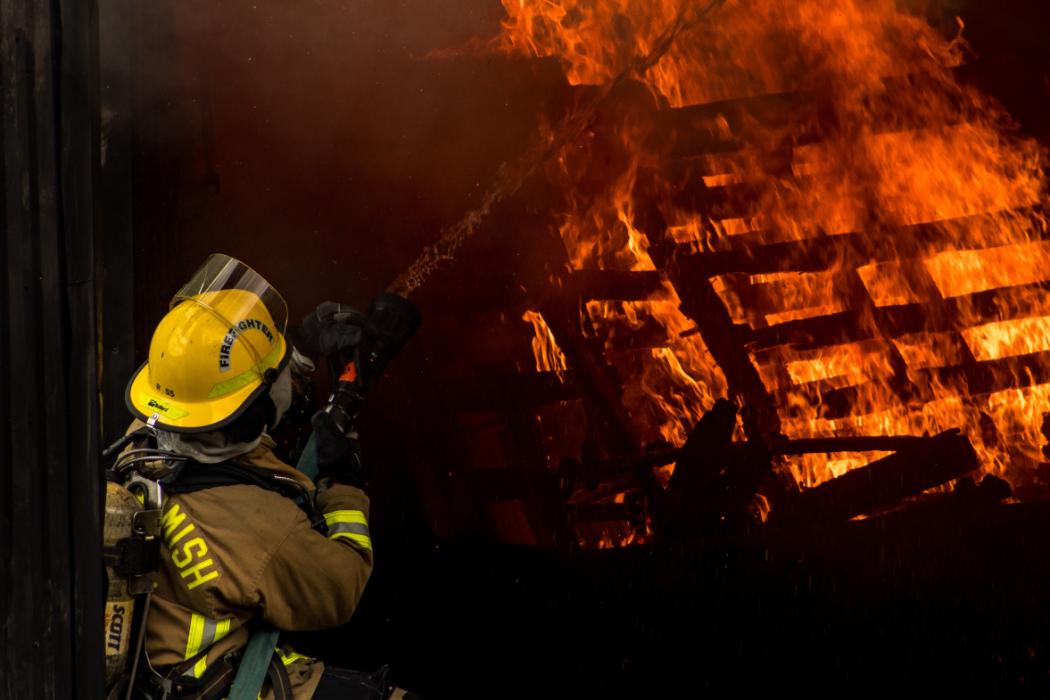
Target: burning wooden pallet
{"x":733,"y":298}
{"x":846,"y":260}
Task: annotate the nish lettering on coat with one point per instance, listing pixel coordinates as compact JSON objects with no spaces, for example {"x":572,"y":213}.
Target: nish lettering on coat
{"x":191,"y":556}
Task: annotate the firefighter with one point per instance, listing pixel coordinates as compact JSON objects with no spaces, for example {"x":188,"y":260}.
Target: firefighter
{"x":234,"y":555}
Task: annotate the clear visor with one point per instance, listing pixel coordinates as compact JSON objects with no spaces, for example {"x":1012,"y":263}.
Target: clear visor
{"x":221,"y":272}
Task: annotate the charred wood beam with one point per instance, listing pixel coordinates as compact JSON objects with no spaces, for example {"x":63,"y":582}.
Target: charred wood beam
{"x":652,"y":334}
{"x":966,"y":496}
{"x":859,"y":443}
{"x":812,"y":295}
{"x":883,"y":483}
{"x":713,"y":483}
{"x":932,"y":316}
{"x":753,"y":254}
{"x":974,"y":379}
{"x":993,"y":375}
{"x":861,"y":303}
{"x":729,"y":125}
{"x":779,"y":447}
{"x":702,"y":304}
{"x":724,"y":201}
{"x":610,"y":429}
{"x":616,"y":285}
{"x":600,"y":386}
{"x":702,"y":128}
{"x":769,"y":161}
{"x":594,"y":472}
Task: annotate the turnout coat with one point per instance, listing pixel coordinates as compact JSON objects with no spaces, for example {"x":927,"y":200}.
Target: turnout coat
{"x":234,"y":553}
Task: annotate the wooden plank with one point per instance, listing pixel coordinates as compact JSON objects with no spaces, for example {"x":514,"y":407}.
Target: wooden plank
{"x":752,"y":253}
{"x":728,"y":125}
{"x":619,"y":285}
{"x":595,"y":471}
{"x":972,"y":379}
{"x":883,"y":483}
{"x":701,"y":303}
{"x":932,"y":316}
{"x":600,"y":385}
{"x":702,"y":128}
{"x":610,"y":428}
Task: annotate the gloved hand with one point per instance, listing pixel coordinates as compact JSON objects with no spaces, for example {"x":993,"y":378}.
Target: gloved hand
{"x":338,"y":455}
{"x":333,"y":330}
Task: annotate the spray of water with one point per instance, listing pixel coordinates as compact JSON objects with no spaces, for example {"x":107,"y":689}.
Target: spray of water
{"x":511,"y":178}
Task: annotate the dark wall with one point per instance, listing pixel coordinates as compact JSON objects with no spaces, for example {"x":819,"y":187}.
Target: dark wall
{"x":51,"y":586}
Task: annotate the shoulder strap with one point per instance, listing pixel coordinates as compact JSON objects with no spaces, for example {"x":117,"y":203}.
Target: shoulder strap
{"x":196,"y":476}
{"x":254,"y":664}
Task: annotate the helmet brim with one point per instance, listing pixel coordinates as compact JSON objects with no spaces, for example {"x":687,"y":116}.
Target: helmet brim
{"x":172,"y":415}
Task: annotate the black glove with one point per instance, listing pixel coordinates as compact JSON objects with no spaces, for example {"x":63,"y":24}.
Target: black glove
{"x":333,"y":330}
{"x":338,"y":456}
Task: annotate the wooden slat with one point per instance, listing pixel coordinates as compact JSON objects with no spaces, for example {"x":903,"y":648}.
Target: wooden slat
{"x":971,"y":379}
{"x":700,"y":302}
{"x":752,"y":254}
{"x":729,"y":125}
{"x":882,"y":483}
{"x":610,"y":428}
{"x":618,"y":285}
{"x":934,"y":316}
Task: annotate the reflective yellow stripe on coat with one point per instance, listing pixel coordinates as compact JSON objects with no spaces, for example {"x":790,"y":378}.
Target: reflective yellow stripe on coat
{"x":349,"y":524}
{"x":203,"y":633}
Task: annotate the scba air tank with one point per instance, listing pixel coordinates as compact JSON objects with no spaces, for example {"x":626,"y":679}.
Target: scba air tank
{"x":121,"y":507}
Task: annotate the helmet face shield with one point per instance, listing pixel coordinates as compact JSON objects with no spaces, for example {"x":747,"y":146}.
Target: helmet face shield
{"x":221,"y":272}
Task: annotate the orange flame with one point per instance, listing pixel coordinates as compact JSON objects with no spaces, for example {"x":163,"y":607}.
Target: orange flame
{"x":859,"y":141}
{"x":549,"y":357}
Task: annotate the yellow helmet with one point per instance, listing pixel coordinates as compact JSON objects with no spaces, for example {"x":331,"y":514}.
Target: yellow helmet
{"x":217,"y":350}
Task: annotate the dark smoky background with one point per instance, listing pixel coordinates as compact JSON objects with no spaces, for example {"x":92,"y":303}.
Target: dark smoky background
{"x":315,"y":140}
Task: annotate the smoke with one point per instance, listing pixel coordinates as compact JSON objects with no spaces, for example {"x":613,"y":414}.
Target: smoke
{"x":311,"y":139}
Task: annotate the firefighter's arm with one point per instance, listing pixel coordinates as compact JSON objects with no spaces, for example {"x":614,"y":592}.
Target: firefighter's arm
{"x":314,"y":581}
